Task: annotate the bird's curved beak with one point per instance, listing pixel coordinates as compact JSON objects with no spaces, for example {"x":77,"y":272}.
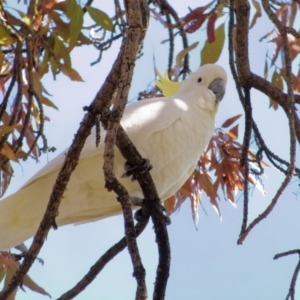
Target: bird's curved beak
{"x":218,"y":88}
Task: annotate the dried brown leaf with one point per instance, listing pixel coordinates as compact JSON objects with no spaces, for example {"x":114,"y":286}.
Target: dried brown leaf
{"x":7,"y":260}
{"x":282,"y":9}
{"x":28,"y":282}
{"x":234,"y":132}
{"x":230,"y":121}
{"x":10,"y":272}
{"x":278,"y":47}
{"x":6,"y":174}
{"x":257,"y":13}
{"x":6,"y":129}
{"x":170,"y":205}
{"x":195,"y":201}
{"x":293,"y":14}
{"x":71,"y":73}
{"x":9,"y":153}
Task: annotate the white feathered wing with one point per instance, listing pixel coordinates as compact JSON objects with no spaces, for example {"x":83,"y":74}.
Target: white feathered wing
{"x":171,"y":132}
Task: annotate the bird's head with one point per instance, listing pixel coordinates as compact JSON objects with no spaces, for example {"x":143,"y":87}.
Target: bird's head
{"x":206,"y":85}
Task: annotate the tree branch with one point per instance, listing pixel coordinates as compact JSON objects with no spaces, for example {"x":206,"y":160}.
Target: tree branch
{"x":292,"y":288}
{"x":245,"y":74}
{"x":244,"y":155}
{"x":152,"y":207}
{"x":101,"y":263}
{"x":166,"y":8}
{"x":137,"y":16}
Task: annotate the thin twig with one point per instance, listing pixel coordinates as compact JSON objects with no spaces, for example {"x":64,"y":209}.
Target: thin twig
{"x":101,"y":263}
{"x":168,"y":9}
{"x":292,"y":288}
{"x":244,"y":155}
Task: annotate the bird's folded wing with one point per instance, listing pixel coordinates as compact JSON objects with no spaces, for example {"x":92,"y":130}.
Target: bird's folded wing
{"x":140,"y":120}
{"x":144,"y":118}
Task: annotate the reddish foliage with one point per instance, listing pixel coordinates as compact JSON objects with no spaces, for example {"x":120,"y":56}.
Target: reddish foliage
{"x":195,"y":24}
{"x":211,"y":27}
{"x":194,"y":19}
{"x":218,"y":168}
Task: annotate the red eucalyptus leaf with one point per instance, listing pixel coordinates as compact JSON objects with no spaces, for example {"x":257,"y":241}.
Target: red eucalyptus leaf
{"x":195,"y":24}
{"x":211,"y":27}
{"x":230,"y":121}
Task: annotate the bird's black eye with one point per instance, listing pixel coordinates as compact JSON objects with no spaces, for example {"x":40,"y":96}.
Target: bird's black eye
{"x":199,"y":79}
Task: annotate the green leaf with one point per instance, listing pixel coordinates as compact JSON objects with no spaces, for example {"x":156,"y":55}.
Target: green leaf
{"x":70,"y":7}
{"x":266,"y":69}
{"x":25,"y":18}
{"x":277,"y":81}
{"x":75,"y":13}
{"x":180,"y":56}
{"x":54,"y":66}
{"x":44,"y":68}
{"x":71,"y":73}
{"x":100,"y":17}
{"x":1,"y":59}
{"x":48,"y":102}
{"x":212,"y":51}
{"x":5,"y":38}
{"x":37,"y":83}
{"x":62,"y":52}
{"x":62,"y":28}
{"x":83,"y":40}
{"x":2,"y":273}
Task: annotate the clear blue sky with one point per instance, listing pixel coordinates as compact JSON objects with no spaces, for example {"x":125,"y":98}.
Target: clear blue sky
{"x":206,"y":263}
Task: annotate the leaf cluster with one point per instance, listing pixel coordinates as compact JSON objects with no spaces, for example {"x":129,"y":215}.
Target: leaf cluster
{"x":34,"y":42}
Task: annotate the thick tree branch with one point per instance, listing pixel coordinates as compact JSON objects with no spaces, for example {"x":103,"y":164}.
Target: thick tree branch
{"x":137,"y":15}
{"x":153,"y":207}
{"x":242,"y":55}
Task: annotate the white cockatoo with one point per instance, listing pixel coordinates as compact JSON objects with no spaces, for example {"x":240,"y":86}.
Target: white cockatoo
{"x":171,"y":132}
